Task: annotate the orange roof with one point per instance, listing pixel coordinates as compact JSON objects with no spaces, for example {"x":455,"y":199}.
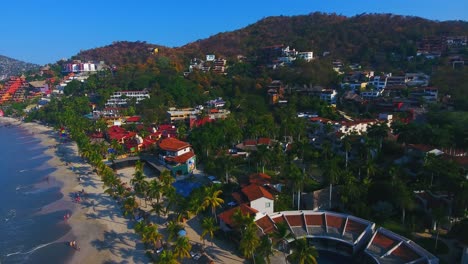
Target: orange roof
{"x":259,"y":178}
{"x":227,"y":216}
{"x":173,"y":144}
{"x":264,"y":141}
{"x":405,"y":253}
{"x":254,"y":192}
{"x":250,"y":142}
{"x":266,"y":224}
{"x":182,"y":158}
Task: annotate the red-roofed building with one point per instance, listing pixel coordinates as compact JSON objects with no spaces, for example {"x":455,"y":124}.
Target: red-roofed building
{"x":226,"y":217}
{"x":119,"y":134}
{"x":266,"y":224}
{"x":259,"y":198}
{"x":196,"y":122}
{"x":133,"y":119}
{"x":260,"y":179}
{"x":177,"y":155}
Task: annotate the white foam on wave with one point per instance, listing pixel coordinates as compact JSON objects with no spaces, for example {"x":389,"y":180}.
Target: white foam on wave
{"x":30,"y":251}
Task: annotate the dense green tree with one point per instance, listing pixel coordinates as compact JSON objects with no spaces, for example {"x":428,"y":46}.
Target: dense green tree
{"x":303,"y":253}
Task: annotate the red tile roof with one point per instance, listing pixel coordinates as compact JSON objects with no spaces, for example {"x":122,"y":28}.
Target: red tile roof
{"x":405,"y":253}
{"x":335,"y":221}
{"x":182,"y":158}
{"x":227,"y":216}
{"x":173,"y":144}
{"x":295,"y":220}
{"x":279,"y":219}
{"x":238,"y":197}
{"x":254,"y":192}
{"x":355,"y":227}
{"x":259,"y":178}
{"x":383,"y":241}
{"x":264,"y":141}
{"x":266,"y":224}
{"x":320,"y":119}
{"x":250,"y":142}
{"x":314,"y":220}
{"x":133,"y":119}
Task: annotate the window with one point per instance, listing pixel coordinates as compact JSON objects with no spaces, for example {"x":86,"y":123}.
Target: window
{"x":267,"y":205}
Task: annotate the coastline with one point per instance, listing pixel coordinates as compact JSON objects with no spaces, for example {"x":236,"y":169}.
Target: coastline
{"x":97,"y":223}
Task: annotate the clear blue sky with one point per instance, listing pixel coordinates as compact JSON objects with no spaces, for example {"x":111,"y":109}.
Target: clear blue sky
{"x":44,"y":31}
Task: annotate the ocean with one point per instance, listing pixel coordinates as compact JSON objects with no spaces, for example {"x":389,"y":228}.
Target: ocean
{"x":27,"y":236}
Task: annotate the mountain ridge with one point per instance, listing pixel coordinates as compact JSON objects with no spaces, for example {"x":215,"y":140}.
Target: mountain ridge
{"x":11,"y":67}
{"x":363,"y":37}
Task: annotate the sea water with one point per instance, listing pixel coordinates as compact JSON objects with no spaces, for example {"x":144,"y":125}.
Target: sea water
{"x":26,"y":234}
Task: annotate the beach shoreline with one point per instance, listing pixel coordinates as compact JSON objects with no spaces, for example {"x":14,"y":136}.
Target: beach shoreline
{"x":97,"y":223}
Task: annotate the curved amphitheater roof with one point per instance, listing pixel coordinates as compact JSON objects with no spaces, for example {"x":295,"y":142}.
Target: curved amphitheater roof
{"x":382,"y":245}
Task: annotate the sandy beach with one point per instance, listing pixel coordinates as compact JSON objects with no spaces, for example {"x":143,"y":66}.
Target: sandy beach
{"x":97,"y":223}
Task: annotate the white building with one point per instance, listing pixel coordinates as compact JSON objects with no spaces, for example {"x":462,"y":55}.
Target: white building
{"x":259,"y":198}
{"x":358,"y":126}
{"x":379,"y":82}
{"x":372,"y":93}
{"x":306,"y":55}
{"x":121,"y":98}
{"x":328,"y":95}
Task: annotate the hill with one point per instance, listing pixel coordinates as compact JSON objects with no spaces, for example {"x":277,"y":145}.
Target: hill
{"x":119,"y":53}
{"x":370,"y":39}
{"x":357,"y":38}
{"x":10,"y":67}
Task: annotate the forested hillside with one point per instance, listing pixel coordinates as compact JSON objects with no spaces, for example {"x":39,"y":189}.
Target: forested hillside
{"x":364,"y":38}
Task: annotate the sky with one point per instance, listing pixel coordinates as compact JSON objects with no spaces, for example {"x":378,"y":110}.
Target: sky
{"x":45,"y":31}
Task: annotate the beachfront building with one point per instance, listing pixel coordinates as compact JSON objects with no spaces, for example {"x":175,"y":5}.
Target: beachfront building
{"x":177,"y":156}
{"x":388,"y":247}
{"x":345,"y":235}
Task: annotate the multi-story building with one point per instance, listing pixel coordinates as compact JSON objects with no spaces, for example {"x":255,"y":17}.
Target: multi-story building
{"x":177,"y":155}
{"x":121,"y":98}
{"x":328,"y":95}
{"x":306,"y":55}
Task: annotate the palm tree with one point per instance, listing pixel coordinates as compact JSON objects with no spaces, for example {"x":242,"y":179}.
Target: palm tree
{"x":158,"y":208}
{"x":129,"y":206}
{"x":209,"y":228}
{"x":227,"y":164}
{"x":347,"y":147}
{"x":249,"y":241}
{"x":167,"y":257}
{"x":151,"y":235}
{"x":297,"y":178}
{"x":265,"y":249}
{"x":404,"y":198}
{"x":182,"y":247}
{"x":378,"y":132}
{"x":241,"y":221}
{"x":282,"y":235}
{"x":155,"y":189}
{"x":138,"y":181}
{"x":303,"y":253}
{"x":166,"y":178}
{"x":262,"y":155}
{"x":333,"y":173}
{"x":212,"y":199}
{"x":371,"y":168}
{"x":173,"y":229}
{"x":439,"y":217}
